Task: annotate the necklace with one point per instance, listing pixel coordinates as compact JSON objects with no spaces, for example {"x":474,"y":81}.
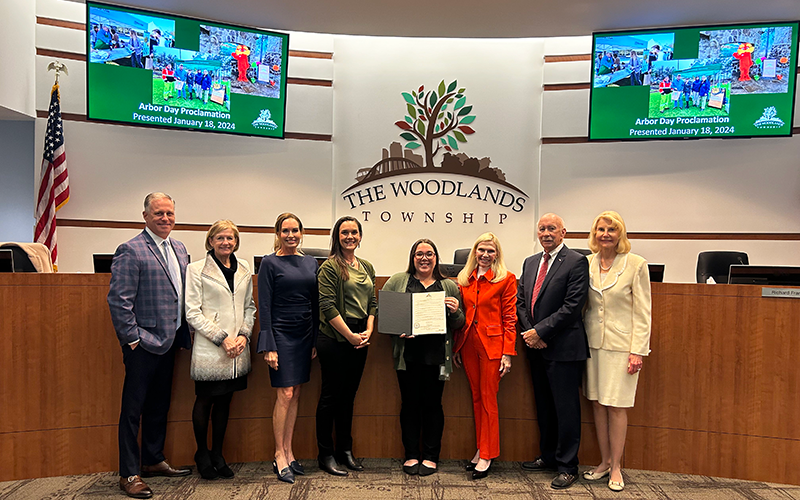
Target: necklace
{"x":606,"y":269}
{"x":354,"y":263}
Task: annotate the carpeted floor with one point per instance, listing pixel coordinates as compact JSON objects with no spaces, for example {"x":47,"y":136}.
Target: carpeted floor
{"x":384,"y":479}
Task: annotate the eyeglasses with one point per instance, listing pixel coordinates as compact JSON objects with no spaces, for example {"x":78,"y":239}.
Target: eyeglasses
{"x":420,"y":255}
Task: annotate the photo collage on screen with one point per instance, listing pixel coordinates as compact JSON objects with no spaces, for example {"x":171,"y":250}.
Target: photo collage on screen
{"x":228,"y":60}
{"x":729,"y":62}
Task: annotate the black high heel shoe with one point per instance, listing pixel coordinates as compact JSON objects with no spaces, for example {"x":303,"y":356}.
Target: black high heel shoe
{"x":480,"y":474}
{"x":297,"y":468}
{"x":286,"y":475}
{"x":470,"y":466}
{"x":204,"y":467}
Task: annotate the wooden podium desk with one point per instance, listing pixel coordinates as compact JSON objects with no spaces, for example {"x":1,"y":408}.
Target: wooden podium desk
{"x":717,"y":396}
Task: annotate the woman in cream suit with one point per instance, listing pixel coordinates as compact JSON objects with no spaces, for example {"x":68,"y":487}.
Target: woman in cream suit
{"x":220,"y":309}
{"x":617,"y":320}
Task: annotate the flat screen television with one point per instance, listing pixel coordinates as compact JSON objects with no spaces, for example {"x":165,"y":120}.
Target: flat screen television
{"x":102,"y":262}
{"x":163,"y":70}
{"x":694,"y":82}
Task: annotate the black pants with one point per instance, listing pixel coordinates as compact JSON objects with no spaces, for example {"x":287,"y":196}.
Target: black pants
{"x":421,"y":414}
{"x":341,"y":367}
{"x":558,"y":407}
{"x":146,"y":394}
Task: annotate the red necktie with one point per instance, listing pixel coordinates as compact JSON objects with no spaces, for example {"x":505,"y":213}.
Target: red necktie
{"x":540,"y":279}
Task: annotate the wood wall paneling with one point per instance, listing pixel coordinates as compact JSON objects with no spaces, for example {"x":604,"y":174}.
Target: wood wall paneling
{"x":717,"y":395}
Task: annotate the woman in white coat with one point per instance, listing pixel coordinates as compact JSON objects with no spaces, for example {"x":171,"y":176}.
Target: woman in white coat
{"x":617,"y":320}
{"x":220,"y":309}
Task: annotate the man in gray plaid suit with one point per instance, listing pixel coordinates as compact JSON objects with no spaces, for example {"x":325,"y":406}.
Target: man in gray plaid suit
{"x":146,"y":302}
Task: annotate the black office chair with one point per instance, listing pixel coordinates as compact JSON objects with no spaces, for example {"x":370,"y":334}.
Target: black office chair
{"x":320,"y":254}
{"x":461,"y":256}
{"x":102,"y":262}
{"x":718,"y":265}
{"x":583,"y":251}
{"x":20,"y":261}
{"x":317,"y":252}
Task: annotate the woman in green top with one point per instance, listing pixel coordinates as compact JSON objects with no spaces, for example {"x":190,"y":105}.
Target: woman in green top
{"x":423,"y":363}
{"x":347,"y":313}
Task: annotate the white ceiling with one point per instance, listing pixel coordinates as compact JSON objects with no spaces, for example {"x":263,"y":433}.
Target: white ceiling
{"x":473,"y":18}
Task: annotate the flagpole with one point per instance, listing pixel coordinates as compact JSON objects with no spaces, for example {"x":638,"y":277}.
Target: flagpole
{"x":54,"y":180}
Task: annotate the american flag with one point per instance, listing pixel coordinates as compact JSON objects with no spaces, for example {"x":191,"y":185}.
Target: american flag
{"x":54,"y":182}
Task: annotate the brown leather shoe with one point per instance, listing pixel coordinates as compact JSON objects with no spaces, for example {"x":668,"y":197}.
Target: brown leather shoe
{"x":134,"y":487}
{"x":163,"y":469}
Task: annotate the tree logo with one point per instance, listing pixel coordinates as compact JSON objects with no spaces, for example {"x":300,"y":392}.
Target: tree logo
{"x":436,"y":121}
{"x":430,"y":123}
{"x":769,"y":119}
{"x":264,"y":121}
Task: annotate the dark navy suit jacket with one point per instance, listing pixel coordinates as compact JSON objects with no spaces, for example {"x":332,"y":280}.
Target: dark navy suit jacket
{"x":557,"y":313}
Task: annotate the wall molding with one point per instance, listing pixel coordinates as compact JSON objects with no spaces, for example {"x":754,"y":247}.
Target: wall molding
{"x":572,"y":235}
{"x":61,"y":54}
{"x":549,"y":87}
{"x":315,"y":82}
{"x":568,"y":58}
{"x":48,"y":21}
{"x":307,"y":136}
{"x":566,"y":140}
{"x":311,"y":54}
{"x":642,"y":235}
{"x":118,"y":224}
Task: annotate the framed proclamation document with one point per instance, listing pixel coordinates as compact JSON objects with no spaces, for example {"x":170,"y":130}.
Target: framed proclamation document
{"x":402,"y":313}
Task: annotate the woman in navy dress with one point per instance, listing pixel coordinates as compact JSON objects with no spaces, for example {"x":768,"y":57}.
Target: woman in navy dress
{"x":288,"y":303}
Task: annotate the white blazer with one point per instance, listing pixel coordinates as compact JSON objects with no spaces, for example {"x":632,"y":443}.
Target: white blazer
{"x":215,"y":313}
{"x":617,"y":315}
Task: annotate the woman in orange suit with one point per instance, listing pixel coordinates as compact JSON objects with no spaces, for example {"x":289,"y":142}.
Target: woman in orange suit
{"x":486,"y":342}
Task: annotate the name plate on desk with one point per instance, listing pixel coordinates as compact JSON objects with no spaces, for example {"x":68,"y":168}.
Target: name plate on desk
{"x":784,"y":293}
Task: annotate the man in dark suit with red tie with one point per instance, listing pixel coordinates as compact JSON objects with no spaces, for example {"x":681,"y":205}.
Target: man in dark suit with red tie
{"x":551,"y":292}
{"x":146,"y":302}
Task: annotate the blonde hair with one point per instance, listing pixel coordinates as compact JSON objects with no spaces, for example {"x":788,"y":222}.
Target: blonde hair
{"x":279,"y":225}
{"x":218,"y":227}
{"x":615,"y":220}
{"x":499,"y":269}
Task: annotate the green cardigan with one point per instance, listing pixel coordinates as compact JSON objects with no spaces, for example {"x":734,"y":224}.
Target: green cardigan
{"x":331,"y":296}
{"x":455,"y":320}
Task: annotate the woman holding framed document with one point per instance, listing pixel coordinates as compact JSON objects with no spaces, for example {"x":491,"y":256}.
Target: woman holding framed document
{"x":424,"y":362}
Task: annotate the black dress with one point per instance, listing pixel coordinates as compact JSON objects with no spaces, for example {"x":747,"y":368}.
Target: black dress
{"x":288,"y":307}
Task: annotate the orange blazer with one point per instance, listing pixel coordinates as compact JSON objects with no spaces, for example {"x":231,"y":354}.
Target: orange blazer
{"x":491,"y":313}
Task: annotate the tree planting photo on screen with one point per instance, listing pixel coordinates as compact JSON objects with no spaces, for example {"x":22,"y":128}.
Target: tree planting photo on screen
{"x":719,"y":81}
{"x":160,"y":70}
